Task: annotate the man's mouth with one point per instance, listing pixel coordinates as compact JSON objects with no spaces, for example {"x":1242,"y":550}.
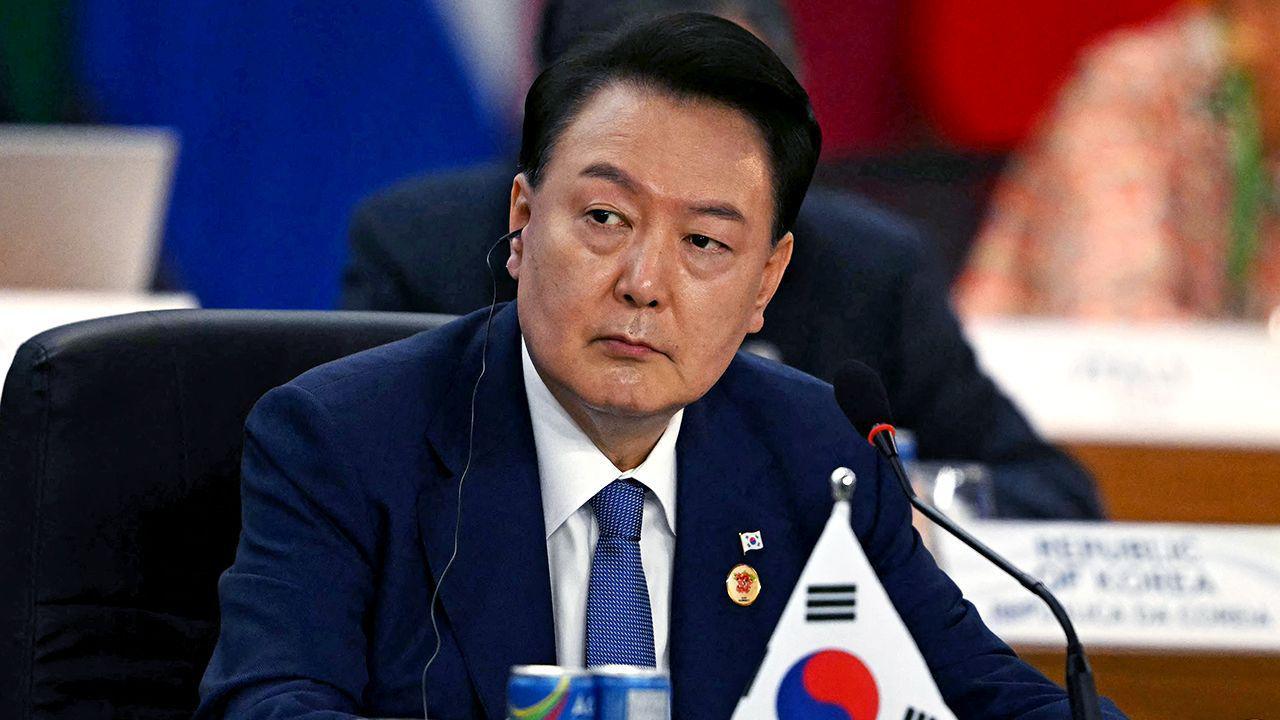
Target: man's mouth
{"x":625,"y":346}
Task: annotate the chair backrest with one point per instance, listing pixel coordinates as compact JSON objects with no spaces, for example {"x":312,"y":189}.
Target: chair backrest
{"x":120,"y":445}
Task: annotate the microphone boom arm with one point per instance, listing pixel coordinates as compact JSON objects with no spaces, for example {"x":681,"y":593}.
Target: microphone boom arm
{"x":1082,"y":693}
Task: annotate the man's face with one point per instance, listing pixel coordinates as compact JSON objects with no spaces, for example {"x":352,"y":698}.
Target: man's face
{"x":646,"y":256}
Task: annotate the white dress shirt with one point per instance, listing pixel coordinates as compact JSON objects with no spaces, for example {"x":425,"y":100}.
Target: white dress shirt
{"x":572,"y":470}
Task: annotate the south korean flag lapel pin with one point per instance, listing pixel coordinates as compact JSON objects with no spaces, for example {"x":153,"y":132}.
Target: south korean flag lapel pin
{"x":743,"y":583}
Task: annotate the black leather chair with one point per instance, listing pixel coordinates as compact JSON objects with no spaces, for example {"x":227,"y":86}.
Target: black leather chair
{"x":120,"y":448}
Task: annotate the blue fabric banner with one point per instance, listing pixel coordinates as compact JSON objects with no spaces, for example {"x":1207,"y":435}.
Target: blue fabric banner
{"x":289,"y":112}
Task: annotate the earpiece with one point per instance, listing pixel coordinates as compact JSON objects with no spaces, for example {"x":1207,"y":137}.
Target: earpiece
{"x":471,"y":433}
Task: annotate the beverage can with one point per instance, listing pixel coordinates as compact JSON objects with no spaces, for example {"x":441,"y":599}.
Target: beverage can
{"x":624,"y":692}
{"x":542,"y":692}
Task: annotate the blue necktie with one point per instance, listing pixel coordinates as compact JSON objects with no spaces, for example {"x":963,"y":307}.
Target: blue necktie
{"x":619,"y":623}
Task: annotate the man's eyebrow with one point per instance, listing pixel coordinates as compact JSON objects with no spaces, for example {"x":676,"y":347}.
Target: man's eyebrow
{"x":610,"y":173}
{"x":724,"y":211}
{"x":617,"y":176}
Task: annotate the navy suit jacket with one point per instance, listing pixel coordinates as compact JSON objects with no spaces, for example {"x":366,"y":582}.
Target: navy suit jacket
{"x":350,"y":493}
{"x":860,"y":285}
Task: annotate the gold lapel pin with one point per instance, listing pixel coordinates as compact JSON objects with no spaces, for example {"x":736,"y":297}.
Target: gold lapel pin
{"x":743,"y":584}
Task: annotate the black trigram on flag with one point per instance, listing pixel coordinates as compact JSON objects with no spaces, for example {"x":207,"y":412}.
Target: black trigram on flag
{"x":831,"y":603}
{"x":914,"y":714}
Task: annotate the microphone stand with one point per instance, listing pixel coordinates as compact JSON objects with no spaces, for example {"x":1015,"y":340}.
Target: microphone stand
{"x":1081,"y":691}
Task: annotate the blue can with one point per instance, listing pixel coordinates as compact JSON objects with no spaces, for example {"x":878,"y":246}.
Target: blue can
{"x":544,"y":692}
{"x":624,"y":692}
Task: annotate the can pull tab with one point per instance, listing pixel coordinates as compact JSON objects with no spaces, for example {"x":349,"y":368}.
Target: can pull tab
{"x":843,"y":481}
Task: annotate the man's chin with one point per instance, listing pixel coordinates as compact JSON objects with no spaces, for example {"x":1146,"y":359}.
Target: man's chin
{"x":631,"y":408}
{"x":631,"y":400}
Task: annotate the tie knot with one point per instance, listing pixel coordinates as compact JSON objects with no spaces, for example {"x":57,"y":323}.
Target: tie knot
{"x":619,"y":509}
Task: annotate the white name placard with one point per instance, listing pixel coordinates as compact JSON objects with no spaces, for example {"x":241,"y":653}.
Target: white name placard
{"x":1132,"y":585}
{"x":1187,"y":383}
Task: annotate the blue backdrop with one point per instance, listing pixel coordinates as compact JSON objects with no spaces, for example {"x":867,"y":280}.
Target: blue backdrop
{"x":289,"y":111}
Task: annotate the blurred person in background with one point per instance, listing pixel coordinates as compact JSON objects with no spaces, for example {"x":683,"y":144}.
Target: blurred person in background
{"x":1152,"y":191}
{"x":861,"y":285}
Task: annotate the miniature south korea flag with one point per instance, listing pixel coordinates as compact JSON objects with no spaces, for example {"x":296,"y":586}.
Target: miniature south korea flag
{"x":751,"y":541}
{"x":840,"y":644}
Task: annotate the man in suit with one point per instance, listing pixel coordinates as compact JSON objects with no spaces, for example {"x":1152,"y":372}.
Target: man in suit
{"x":861,"y":285}
{"x":570,"y":471}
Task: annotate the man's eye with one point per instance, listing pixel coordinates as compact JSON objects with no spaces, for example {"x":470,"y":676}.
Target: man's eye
{"x":702,"y":242}
{"x":605,"y":217}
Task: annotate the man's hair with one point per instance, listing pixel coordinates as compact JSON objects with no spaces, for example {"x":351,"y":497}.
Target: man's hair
{"x":565,"y":23}
{"x":694,"y":56}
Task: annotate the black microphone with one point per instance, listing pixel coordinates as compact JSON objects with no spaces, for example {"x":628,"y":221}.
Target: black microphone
{"x":862,"y":398}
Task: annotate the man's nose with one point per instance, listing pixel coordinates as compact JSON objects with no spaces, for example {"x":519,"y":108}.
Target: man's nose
{"x":643,"y":281}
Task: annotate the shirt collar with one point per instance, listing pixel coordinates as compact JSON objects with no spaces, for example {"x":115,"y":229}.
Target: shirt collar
{"x":572,"y":469}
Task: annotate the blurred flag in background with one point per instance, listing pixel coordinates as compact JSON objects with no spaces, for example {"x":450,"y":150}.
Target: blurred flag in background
{"x":288,"y":113}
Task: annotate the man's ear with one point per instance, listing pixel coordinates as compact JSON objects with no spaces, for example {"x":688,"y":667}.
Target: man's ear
{"x":518,"y":215}
{"x":774,"y":267}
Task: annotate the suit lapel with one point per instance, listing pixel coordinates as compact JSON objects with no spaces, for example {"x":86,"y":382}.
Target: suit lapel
{"x":728,"y":483}
{"x":497,"y":596}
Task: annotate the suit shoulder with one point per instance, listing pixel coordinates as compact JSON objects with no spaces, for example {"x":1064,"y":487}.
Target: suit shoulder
{"x":773,"y":390}
{"x":398,"y":374}
{"x":796,"y":417}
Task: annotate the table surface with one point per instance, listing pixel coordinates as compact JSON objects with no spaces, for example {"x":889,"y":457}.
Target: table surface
{"x":1179,"y":686}
{"x":1148,"y":483}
